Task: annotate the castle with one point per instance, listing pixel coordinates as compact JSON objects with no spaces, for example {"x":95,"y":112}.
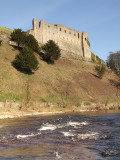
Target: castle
{"x":71,"y":42}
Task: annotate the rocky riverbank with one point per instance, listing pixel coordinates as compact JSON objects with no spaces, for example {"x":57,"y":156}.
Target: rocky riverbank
{"x":17,"y":109}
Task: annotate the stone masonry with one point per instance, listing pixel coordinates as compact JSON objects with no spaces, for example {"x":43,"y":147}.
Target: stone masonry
{"x":71,"y":42}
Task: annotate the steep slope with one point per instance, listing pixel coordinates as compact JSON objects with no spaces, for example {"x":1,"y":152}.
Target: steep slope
{"x":67,"y":81}
{"x":5,"y":34}
{"x":4,"y":30}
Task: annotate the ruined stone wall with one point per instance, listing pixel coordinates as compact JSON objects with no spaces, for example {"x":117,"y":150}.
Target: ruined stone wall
{"x":70,"y":41}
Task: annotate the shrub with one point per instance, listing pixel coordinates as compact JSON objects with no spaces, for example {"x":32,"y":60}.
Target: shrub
{"x":18,"y":36}
{"x":22,"y":39}
{"x":51,"y":51}
{"x":31,"y":42}
{"x":25,"y":61}
{"x":92,"y":57}
{"x":98,"y":60}
{"x":95,"y":58}
{"x":100,"y":69}
{"x":0,"y":42}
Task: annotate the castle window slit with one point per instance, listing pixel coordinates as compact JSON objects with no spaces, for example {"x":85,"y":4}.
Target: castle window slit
{"x":78,"y":36}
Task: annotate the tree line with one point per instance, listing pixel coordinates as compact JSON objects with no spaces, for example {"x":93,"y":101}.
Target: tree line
{"x":112,"y":62}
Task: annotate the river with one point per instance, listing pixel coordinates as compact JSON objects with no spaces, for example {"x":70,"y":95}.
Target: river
{"x":78,"y":136}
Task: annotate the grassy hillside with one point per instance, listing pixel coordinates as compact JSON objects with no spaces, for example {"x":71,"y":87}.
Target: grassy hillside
{"x":5,"y":30}
{"x":67,"y":81}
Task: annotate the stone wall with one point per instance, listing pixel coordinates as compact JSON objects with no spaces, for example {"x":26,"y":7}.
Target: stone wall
{"x":69,"y":40}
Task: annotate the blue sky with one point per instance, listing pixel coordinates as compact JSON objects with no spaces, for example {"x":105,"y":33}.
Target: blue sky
{"x":100,"y":18}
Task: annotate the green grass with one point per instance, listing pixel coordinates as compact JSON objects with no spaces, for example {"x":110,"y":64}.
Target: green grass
{"x":51,"y":99}
{"x":5,"y":30}
{"x":111,"y":100}
{"x":10,"y":97}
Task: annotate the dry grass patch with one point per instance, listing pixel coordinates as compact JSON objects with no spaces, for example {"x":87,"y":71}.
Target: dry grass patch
{"x":5,"y":30}
{"x":67,"y":81}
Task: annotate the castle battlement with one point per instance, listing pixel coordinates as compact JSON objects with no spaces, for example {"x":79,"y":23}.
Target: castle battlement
{"x":70,"y":41}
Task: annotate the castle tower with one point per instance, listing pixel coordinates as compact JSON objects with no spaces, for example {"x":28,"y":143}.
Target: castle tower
{"x":85,"y":46}
{"x":42,"y":29}
{"x":35,"y":24}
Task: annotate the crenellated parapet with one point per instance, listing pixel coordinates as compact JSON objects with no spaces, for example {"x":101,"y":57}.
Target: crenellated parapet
{"x":70,"y":41}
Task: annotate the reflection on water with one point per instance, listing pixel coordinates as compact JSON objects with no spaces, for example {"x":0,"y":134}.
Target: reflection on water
{"x":90,"y":136}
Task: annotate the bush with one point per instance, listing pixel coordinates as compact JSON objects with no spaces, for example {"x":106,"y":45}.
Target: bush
{"x":95,"y":58}
{"x":51,"y":51}
{"x":18,"y":36}
{"x":92,"y":57}
{"x":0,"y":42}
{"x":98,"y":60}
{"x":25,"y":61}
{"x":32,"y":43}
{"x":100,"y":69}
{"x":22,"y":39}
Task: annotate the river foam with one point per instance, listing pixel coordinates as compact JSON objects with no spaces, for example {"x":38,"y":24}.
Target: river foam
{"x":52,"y":127}
{"x":48,"y":127}
{"x":26,"y":136}
{"x":57,"y":155}
{"x":77,"y":124}
{"x":68,"y":134}
{"x":91,"y":135}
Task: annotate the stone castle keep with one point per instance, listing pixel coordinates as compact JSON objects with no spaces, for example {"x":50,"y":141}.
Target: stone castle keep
{"x":71,"y":42}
